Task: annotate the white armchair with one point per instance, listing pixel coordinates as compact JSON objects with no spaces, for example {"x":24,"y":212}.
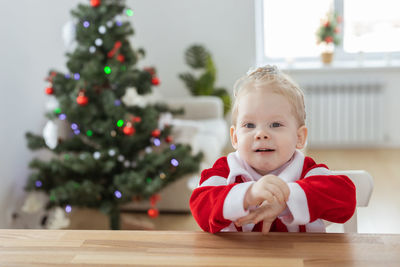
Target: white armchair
{"x":204,"y":128}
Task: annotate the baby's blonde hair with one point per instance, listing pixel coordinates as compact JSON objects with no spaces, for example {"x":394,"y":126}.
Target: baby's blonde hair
{"x":269,"y":77}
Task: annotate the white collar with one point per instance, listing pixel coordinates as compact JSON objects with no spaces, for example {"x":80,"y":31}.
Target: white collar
{"x":289,"y":172}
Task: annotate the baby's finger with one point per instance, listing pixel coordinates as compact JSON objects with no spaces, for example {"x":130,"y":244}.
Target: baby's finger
{"x":266,"y":227}
{"x":276,"y":192}
{"x":282,"y":185}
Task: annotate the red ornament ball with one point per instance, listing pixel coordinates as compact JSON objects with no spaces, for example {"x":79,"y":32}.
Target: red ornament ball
{"x":156,"y":133}
{"x":95,"y":3}
{"x":121,"y":58}
{"x":153,"y":213}
{"x":169,"y":139}
{"x":49,"y":90}
{"x":82,"y":100}
{"x":155,"y":81}
{"x":128,"y":129}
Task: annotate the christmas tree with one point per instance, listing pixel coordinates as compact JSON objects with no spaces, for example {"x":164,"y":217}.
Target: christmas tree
{"x":118,"y":148}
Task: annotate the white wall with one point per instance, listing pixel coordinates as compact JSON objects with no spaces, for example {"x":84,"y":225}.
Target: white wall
{"x":31,"y":44}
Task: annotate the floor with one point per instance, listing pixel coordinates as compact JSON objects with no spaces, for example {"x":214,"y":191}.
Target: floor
{"x":381,"y":216}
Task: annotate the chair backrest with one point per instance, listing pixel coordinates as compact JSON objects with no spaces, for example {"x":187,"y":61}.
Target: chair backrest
{"x":364,"y":186}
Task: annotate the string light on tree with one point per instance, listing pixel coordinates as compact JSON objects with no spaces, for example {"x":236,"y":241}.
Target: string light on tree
{"x":169,"y":139}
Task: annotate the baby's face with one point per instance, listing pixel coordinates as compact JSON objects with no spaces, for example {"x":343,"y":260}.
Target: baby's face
{"x":266,"y":133}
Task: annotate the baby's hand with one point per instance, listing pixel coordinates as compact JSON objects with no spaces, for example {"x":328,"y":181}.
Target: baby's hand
{"x":267,"y":189}
{"x":266,"y":212}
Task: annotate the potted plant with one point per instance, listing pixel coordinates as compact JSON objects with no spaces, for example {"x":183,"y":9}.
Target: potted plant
{"x":328,"y":36}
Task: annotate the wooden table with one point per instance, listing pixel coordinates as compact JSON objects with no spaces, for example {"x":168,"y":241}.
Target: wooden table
{"x":182,"y":248}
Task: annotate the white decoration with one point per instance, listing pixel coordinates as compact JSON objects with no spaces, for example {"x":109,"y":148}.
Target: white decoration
{"x":102,"y":29}
{"x":98,"y":42}
{"x":69,"y":35}
{"x":132,"y":98}
{"x":34,"y":203}
{"x":121,"y":158}
{"x":148,"y":150}
{"x":134,"y":164}
{"x":109,"y":24}
{"x":58,"y":220}
{"x":50,"y":134}
{"x":52,"y":103}
{"x":92,"y":49}
{"x":164,"y":120}
{"x":127,"y":163}
{"x":96,"y":155}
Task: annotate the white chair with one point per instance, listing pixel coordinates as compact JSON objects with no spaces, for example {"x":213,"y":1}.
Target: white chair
{"x":364,"y":186}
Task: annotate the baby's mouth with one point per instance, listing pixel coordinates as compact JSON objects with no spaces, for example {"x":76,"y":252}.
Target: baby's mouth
{"x":265,"y":150}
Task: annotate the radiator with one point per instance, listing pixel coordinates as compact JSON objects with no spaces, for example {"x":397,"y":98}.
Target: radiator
{"x":344,"y":115}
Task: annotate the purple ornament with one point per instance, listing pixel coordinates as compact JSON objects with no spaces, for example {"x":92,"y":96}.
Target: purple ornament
{"x":68,"y":209}
{"x":67,"y":76}
{"x":172,"y":147}
{"x":62,"y":116}
{"x":117,"y":194}
{"x":77,"y":76}
{"x":74,"y":126}
{"x":86,"y":24}
{"x":174,"y":162}
{"x":117,"y":102}
{"x":157,"y":142}
{"x":38,"y":183}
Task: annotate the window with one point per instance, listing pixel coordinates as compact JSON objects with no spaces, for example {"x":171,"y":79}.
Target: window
{"x":286,"y":29}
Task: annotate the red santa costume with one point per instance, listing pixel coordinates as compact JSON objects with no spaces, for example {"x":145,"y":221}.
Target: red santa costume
{"x":315,"y":195}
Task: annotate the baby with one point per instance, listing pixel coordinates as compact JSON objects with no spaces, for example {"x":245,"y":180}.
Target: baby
{"x":268,"y":184}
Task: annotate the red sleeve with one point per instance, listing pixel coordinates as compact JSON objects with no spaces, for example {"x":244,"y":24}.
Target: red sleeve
{"x":207,"y":201}
{"x":329,"y":197}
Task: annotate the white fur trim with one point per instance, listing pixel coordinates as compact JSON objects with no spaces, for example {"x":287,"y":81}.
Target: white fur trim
{"x":233,"y":205}
{"x":214,"y":181}
{"x":316,"y":226}
{"x":237,"y":167}
{"x":297,"y":205}
{"x":229,"y":228}
{"x":318,"y":171}
{"x":293,"y":171}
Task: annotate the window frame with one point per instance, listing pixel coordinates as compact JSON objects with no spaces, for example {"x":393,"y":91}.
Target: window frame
{"x":361,"y":58}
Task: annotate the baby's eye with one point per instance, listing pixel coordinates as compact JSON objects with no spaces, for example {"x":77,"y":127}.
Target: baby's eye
{"x":275,"y":125}
{"x":249,"y":125}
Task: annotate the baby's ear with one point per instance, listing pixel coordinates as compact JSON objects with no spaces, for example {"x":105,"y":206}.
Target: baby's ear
{"x":301,"y":137}
{"x":233,"y":137}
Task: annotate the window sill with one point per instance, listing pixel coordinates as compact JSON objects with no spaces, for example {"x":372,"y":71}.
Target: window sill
{"x":366,"y":65}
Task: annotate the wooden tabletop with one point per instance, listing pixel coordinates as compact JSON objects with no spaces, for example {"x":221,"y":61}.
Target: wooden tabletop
{"x":183,"y":248}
